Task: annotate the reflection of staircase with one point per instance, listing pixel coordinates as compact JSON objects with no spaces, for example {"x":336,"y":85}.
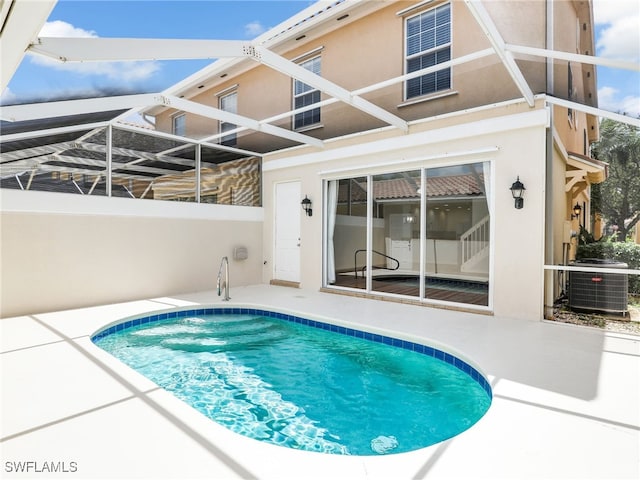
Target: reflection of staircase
{"x":474,"y":244}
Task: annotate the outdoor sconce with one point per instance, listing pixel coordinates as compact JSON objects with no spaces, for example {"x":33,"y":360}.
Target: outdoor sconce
{"x":306,"y":206}
{"x":517,"y":189}
{"x":577,"y":210}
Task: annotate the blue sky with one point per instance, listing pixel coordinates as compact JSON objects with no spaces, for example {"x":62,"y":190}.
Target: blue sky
{"x":40,"y":79}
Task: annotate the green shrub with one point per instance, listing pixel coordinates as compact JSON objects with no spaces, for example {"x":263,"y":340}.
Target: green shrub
{"x":627,"y":252}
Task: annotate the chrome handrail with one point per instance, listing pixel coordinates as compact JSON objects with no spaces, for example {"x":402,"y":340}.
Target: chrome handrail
{"x":355,"y":261}
{"x":223,"y":284}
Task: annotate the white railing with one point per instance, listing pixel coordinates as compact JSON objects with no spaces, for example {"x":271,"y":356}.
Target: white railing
{"x":474,"y":242}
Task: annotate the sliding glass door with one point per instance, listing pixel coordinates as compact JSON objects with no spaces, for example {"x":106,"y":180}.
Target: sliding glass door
{"x":346,"y":227}
{"x":395,"y":262}
{"x":457,"y":243}
{"x":421,"y":233}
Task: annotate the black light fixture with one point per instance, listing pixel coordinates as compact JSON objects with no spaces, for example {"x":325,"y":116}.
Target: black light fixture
{"x":577,"y":210}
{"x":306,"y":206}
{"x":517,"y":189}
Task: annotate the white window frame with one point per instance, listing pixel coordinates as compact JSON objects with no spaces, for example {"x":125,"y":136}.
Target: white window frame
{"x":570,"y":94}
{"x":174,"y":127}
{"x":368,"y":172}
{"x":230,"y":140}
{"x":421,"y":53}
{"x":305,"y":63}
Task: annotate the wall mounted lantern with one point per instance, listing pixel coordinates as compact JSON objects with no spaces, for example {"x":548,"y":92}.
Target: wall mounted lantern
{"x":577,"y":210}
{"x":306,"y":206}
{"x":517,"y":189}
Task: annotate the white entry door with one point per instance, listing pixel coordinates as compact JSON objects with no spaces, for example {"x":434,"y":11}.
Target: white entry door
{"x":287,"y":232}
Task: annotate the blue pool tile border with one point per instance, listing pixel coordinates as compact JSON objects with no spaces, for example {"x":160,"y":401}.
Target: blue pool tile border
{"x":373,"y":337}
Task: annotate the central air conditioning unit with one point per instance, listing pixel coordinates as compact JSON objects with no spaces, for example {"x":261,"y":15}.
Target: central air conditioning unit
{"x":600,"y":292}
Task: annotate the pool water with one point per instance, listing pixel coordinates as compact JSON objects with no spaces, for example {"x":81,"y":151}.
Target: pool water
{"x":302,"y":387}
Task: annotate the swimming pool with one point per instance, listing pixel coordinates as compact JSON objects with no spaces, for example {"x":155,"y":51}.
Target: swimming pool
{"x":331,"y":389}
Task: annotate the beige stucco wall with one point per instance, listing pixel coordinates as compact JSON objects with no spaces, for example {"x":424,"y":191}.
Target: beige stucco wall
{"x":519,"y":136}
{"x":369,"y":50}
{"x":52,"y":260}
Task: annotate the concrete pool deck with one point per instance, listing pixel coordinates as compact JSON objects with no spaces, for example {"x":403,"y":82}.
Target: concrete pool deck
{"x":566,"y":400}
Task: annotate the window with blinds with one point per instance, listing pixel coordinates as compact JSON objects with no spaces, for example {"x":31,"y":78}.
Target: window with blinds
{"x":428,"y":43}
{"x":179,"y":126}
{"x":305,"y":95}
{"x":229,"y":103}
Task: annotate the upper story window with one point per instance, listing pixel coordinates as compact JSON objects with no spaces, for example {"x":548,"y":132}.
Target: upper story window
{"x":428,"y":43}
{"x":304,"y":95}
{"x":228,"y":103}
{"x":179,"y":124}
{"x":570,"y":92}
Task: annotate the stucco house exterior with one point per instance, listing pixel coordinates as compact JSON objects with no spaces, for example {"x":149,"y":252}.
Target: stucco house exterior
{"x":402,"y":126}
{"x":462,"y":120}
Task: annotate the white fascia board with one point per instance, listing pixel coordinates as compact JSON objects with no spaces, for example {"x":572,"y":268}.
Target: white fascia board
{"x":215,"y":113}
{"x":35,"y":111}
{"x":82,"y":49}
{"x":280,"y":33}
{"x":587,"y":165}
{"x":598,"y":112}
{"x":489,"y":28}
{"x":293,"y":70}
{"x":574,"y":57}
{"x":22,"y":23}
{"x":384,"y":166}
{"x":533,"y":118}
{"x":307,"y":18}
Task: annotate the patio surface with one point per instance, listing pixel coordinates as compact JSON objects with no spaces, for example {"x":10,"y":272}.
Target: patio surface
{"x":566,"y":400}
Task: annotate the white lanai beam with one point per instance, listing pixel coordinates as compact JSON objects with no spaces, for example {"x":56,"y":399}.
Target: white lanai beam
{"x":489,"y":28}
{"x":371,"y":88}
{"x":20,"y":23}
{"x":281,"y":64}
{"x":574,"y":57}
{"x":83,"y":49}
{"x":90,"y":105}
{"x":33,"y":111}
{"x":119,"y":49}
{"x":217,"y":114}
{"x":598,"y":112}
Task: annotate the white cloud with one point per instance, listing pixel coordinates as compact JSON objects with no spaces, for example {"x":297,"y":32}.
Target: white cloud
{"x":7,"y":97}
{"x":609,"y":11}
{"x":253,"y":29}
{"x":123,"y":71}
{"x":58,"y":28}
{"x":612,"y":100}
{"x":620,"y":35}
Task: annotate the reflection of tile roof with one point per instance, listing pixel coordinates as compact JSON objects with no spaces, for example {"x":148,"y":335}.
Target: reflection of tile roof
{"x":401,"y":188}
{"x":453,"y":186}
{"x":395,"y":189}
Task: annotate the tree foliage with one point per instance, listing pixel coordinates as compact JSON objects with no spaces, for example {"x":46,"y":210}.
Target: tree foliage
{"x":618,"y":197}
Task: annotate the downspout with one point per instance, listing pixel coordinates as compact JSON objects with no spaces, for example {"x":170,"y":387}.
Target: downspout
{"x":548,"y":275}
